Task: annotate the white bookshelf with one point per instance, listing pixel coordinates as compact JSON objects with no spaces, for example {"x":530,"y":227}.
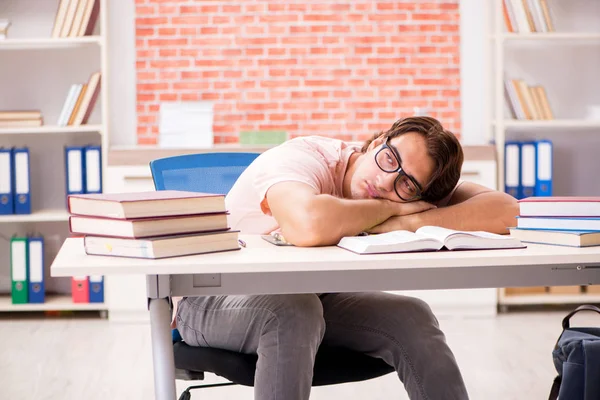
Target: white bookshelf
{"x":53,"y":302}
{"x":36,"y":73}
{"x":50,"y":129}
{"x":49,"y":43}
{"x":37,"y":216}
{"x":565,"y":62}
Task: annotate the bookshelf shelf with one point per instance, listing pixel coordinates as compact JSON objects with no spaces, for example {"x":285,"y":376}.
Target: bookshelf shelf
{"x":553,"y":123}
{"x":49,"y":43}
{"x":53,"y":303}
{"x":38,"y":216}
{"x":50,"y":129}
{"x":550,"y":67}
{"x":550,"y":299}
{"x":548,"y":37}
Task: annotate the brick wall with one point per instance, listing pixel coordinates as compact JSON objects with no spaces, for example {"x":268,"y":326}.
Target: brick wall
{"x":336,"y":68}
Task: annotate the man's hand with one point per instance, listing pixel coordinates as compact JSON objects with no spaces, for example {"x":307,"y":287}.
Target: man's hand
{"x":399,"y":209}
{"x":392,"y":224}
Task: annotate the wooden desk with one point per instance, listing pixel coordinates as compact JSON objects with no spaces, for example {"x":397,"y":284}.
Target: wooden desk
{"x":262,"y":268}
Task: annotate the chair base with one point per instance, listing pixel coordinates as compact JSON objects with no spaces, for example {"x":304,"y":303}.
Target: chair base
{"x":186,"y":395}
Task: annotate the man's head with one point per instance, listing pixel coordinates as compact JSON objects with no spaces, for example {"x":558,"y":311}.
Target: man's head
{"x":415,"y":159}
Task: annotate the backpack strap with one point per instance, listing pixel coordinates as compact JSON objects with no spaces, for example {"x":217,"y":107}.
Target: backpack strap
{"x":555,"y":388}
{"x":588,"y":307}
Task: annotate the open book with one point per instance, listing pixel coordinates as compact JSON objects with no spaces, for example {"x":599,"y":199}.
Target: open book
{"x":427,"y":238}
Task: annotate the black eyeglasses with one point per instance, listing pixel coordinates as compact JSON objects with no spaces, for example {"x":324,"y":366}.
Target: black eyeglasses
{"x":405,"y":186}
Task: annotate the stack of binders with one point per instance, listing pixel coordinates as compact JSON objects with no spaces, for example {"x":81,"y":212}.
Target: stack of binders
{"x":15,"y":195}
{"x":528,"y":168}
{"x":567,"y":221}
{"x":27,"y":269}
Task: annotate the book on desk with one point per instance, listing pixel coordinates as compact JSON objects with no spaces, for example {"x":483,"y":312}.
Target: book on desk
{"x":427,"y":238}
{"x":152,"y":225}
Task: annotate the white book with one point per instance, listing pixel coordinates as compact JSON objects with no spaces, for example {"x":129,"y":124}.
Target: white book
{"x":63,"y":113}
{"x":427,"y":238}
{"x":538,"y":16}
{"x":513,"y":99}
{"x":520,"y":16}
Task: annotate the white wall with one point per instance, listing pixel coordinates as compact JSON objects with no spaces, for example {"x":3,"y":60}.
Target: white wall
{"x":474,"y":82}
{"x":122,"y":78}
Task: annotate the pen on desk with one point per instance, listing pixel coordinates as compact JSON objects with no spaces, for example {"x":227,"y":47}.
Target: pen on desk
{"x":242,"y":243}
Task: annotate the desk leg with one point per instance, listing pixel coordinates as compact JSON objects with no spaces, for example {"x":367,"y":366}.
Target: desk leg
{"x":162,"y":344}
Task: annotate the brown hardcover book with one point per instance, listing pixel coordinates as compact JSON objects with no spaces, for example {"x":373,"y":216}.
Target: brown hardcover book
{"x":147,"y":227}
{"x":89,"y":100}
{"x":524,"y":106}
{"x":20,"y":115}
{"x":545,"y":104}
{"x":162,"y":246}
{"x":529,"y":15}
{"x":69,"y":17}
{"x":78,"y":18}
{"x":547,"y":17}
{"x":77,"y":104}
{"x":145,"y":204}
{"x":21,"y":123}
{"x":59,"y":20}
{"x":536,"y":103}
{"x":528,"y":99}
{"x":90,"y":16}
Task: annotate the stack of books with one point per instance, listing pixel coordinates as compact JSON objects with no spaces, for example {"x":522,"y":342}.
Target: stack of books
{"x":151,"y":225}
{"x":75,"y":18}
{"x":566,"y":221}
{"x":80,"y":102}
{"x":20,"y":119}
{"x":527,"y":16}
{"x":526,"y":102}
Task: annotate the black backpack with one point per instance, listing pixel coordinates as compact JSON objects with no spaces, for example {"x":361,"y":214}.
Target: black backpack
{"x":576,"y":357}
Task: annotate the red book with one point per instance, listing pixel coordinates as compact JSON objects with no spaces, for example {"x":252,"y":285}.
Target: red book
{"x":160,"y":203}
{"x":80,"y":289}
{"x":560,"y":206}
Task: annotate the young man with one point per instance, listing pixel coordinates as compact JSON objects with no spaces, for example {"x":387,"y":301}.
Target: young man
{"x":314,"y":191}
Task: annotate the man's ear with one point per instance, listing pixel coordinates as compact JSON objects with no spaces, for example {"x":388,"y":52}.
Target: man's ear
{"x":376,"y":142}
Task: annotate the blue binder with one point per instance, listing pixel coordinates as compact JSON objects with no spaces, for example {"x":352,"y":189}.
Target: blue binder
{"x":6,"y":185}
{"x":543,"y":182}
{"x":93,"y":169}
{"x":37,"y":287}
{"x":512,"y":169}
{"x":21,"y":181}
{"x":96,"y":288}
{"x":528,"y":169}
{"x":74,"y":170}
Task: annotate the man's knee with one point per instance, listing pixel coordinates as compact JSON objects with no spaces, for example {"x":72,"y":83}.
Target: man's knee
{"x":302,"y":313}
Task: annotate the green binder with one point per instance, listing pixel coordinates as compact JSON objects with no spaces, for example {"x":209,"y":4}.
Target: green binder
{"x":19,"y":266}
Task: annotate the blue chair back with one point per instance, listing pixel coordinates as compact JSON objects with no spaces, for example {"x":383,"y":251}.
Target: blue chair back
{"x":208,"y":172}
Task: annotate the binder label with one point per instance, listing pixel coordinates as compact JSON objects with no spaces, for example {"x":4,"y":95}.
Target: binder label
{"x":5,"y":183}
{"x":75,"y":180}
{"x":92,"y":162}
{"x":544,"y":161}
{"x":22,"y":174}
{"x":36,"y":266}
{"x":19,"y":262}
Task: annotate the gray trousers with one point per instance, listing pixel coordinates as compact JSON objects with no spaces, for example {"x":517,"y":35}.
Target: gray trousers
{"x":286,"y":331}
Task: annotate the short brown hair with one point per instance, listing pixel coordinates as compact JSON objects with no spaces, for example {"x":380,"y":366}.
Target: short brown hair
{"x":442,"y":146}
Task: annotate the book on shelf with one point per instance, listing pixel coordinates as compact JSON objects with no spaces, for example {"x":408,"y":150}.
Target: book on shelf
{"x":75,"y":18}
{"x":4,"y":25}
{"x":80,"y":101}
{"x":559,"y":223}
{"x":427,"y":238}
{"x":527,"y":102}
{"x":146,"y":227}
{"x":21,"y":123}
{"x":527,"y":16}
{"x":162,"y":246}
{"x":560,"y":206}
{"x":161,"y":203}
{"x":20,"y":118}
{"x":561,"y":238}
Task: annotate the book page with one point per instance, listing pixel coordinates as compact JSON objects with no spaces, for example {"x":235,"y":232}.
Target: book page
{"x":391,"y":237}
{"x":442,"y":234}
